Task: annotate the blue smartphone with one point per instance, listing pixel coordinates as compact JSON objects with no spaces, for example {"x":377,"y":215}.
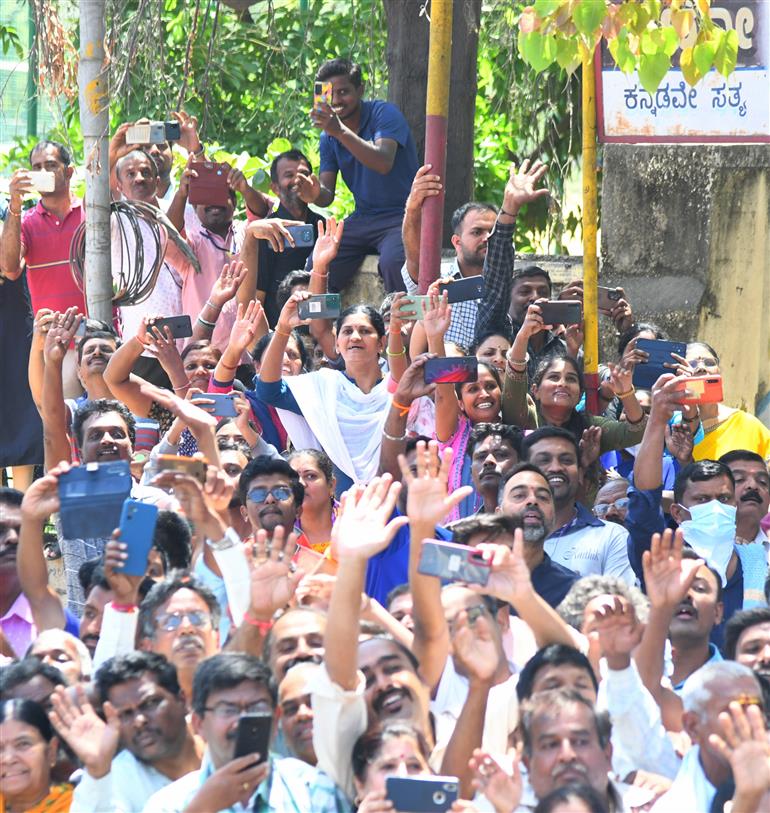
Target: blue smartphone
{"x":91,"y":498}
{"x":422,"y":794}
{"x":137,"y":529}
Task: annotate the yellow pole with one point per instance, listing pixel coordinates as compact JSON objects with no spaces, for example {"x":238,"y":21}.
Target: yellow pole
{"x":436,"y":115}
{"x":590,"y":263}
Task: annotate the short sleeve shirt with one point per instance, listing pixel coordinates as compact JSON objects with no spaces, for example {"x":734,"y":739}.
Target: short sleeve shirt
{"x":374,"y":193}
{"x":46,"y":239}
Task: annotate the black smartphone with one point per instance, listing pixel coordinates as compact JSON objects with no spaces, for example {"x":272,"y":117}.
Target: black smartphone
{"x":451,"y":370}
{"x":422,"y":794}
{"x":320,"y":306}
{"x":659,"y":352}
{"x":304,"y":236}
{"x":92,"y":497}
{"x":172,"y":130}
{"x":180,"y":326}
{"x":463,"y":290}
{"x":562,"y":312}
{"x":253,"y":735}
{"x":453,"y":562}
{"x":608,"y":297}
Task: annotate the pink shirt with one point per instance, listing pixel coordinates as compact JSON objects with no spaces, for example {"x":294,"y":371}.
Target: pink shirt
{"x":46,"y":240}
{"x":213,"y":252}
{"x":17,"y":625}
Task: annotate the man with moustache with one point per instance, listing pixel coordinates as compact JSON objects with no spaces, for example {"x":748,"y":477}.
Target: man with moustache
{"x":747,"y":640}
{"x":752,"y":495}
{"x":295,"y":710}
{"x":494,"y":449}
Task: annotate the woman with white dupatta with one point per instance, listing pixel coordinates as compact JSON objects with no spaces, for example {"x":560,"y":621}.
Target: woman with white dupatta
{"x":341,"y":412}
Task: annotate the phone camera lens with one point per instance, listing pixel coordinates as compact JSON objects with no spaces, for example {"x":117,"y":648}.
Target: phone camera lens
{"x":439,"y":797}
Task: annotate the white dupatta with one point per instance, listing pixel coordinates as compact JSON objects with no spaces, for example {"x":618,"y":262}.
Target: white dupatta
{"x":338,"y":418}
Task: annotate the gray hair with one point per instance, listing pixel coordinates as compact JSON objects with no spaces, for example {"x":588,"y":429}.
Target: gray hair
{"x":572,"y":607}
{"x":700,"y":687}
{"x":56,"y":637}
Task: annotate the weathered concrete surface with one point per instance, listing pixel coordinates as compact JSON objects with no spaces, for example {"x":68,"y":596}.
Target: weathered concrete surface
{"x":686,"y":232}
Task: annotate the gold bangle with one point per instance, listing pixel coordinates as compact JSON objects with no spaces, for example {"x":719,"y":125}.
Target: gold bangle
{"x":402,"y":352}
{"x":623,"y":395}
{"x":282,"y":332}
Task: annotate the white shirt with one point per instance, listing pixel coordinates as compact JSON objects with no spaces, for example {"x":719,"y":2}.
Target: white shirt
{"x":691,"y":789}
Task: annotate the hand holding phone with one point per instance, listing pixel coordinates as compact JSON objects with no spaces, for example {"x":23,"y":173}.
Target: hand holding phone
{"x":137,"y":529}
{"x":42,"y":180}
{"x":561,"y":312}
{"x":422,"y":794}
{"x":208,"y":184}
{"x":320,"y":306}
{"x":705,"y":389}
{"x":451,"y":370}
{"x":253,"y":735}
{"x":180,"y":326}
{"x":452,"y":562}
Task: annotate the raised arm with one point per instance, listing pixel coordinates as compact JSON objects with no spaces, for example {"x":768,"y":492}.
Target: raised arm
{"x":56,"y":439}
{"x":123,"y":384}
{"x":43,"y":320}
{"x":436,"y":324}
{"x":11,"y":247}
{"x":274,"y":231}
{"x":272,"y":360}
{"x":363,"y":529}
{"x":40,"y":501}
{"x":428,"y":502}
{"x":424,"y":185}
{"x":225,"y":287}
{"x":325,"y":250}
{"x":243,"y":334}
{"x":520,"y":189}
{"x":515,"y":403}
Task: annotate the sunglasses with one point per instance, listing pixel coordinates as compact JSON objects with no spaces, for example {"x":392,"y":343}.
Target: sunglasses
{"x":600,"y":509}
{"x":172,"y":621}
{"x":279,"y":493}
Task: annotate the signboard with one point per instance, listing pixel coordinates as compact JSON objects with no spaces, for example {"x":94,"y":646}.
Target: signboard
{"x":734,"y":110}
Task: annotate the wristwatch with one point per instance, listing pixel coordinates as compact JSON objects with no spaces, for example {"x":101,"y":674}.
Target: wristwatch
{"x":229,"y":540}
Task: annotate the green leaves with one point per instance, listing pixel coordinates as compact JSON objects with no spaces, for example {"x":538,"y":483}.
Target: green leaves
{"x":726,"y":56}
{"x":537,"y":49}
{"x":652,"y":69}
{"x":588,"y":16}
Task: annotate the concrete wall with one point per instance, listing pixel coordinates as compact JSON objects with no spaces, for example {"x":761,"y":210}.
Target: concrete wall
{"x":686,"y":232}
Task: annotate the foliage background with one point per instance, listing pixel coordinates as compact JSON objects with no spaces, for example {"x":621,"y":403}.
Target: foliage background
{"x":248,"y":78}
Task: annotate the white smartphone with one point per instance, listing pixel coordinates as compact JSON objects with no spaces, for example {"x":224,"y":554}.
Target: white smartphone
{"x":43,"y":180}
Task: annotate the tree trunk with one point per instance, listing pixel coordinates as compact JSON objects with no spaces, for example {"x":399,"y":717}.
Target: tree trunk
{"x":407,"y":58}
{"x":93,"y":81}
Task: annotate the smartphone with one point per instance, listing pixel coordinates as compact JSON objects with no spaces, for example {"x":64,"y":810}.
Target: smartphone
{"x":253,"y":735}
{"x":137,"y":527}
{"x":180,"y":326}
{"x":92,"y":497}
{"x":608,"y":297}
{"x":660,"y":353}
{"x":320,"y":306}
{"x":463,"y":290}
{"x":209,"y":187}
{"x":453,"y":562}
{"x":451,"y":370}
{"x":707,"y":389}
{"x":42,"y":180}
{"x":304,"y":236}
{"x":194,"y":466}
{"x":420,"y":304}
{"x":562,"y":312}
{"x":322,"y":94}
{"x":153,"y":132}
{"x":223,"y":406}
{"x":173,"y":130}
{"x":80,"y":333}
{"x":422,"y":794}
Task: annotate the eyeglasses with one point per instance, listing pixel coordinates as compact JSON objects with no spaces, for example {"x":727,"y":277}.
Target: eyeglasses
{"x":602,"y":508}
{"x":279,"y":493}
{"x":474,"y":613}
{"x":172,"y":621}
{"x":229,"y":711}
{"x":706,"y":361}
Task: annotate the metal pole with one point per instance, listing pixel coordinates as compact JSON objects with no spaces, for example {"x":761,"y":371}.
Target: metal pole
{"x":590,"y":264}
{"x":31,"y":76}
{"x":436,"y":115}
{"x":94,"y":122}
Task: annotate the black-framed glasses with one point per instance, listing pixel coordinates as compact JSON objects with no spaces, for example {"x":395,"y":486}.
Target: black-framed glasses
{"x":172,"y":621}
{"x":473,"y":613}
{"x":260,"y":494}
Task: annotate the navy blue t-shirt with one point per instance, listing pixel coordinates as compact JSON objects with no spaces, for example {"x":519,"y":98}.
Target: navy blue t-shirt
{"x":390,"y":567}
{"x":552,"y":581}
{"x":375,"y":194}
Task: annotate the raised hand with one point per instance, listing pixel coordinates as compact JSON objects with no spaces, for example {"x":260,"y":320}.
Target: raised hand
{"x":364,"y":526}
{"x":195,"y":502}
{"x":412,"y":384}
{"x":503,"y":790}
{"x":60,"y":333}
{"x":274,"y":230}
{"x":328,"y":243}
{"x":590,"y":445}
{"x":20,"y":185}
{"x":620,"y":378}
{"x":509,"y":578}
{"x":438,"y":318}
{"x":227,"y":283}
{"x":289,"y":317}
{"x":94,"y":741}
{"x":428,"y":501}
{"x":425,"y":185}
{"x":667,"y":576}
{"x":41,"y":499}
{"x":245,"y":326}
{"x":308,"y":187}
{"x":633,"y":355}
{"x":125,"y":587}
{"x":522,"y":188}
{"x":679,"y":442}
{"x":197,"y":419}
{"x":188,"y":131}
{"x":274,"y":578}
{"x":612,"y":620}
{"x":622,"y":315}
{"x":162,"y":346}
{"x":533,"y":321}
{"x":473,"y":647}
{"x":235,"y":782}
{"x":44,"y":318}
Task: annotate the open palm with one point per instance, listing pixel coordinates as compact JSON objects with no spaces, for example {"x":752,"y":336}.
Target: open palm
{"x":667,"y":576}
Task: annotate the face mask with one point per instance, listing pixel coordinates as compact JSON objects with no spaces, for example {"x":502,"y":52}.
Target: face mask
{"x":711,"y":534}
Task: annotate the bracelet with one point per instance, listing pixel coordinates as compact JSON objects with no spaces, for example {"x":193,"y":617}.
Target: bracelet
{"x":263,"y":626}
{"x":122,"y":608}
{"x":625,"y":394}
{"x":636,"y":423}
{"x":401,"y":352}
{"x":212,"y":305}
{"x":508,"y":214}
{"x":182,"y":387}
{"x":320,"y":273}
{"x":402,"y":410}
{"x":11,"y":212}
{"x":393,"y":438}
{"x":281,"y":332}
{"x":206,"y":323}
{"x":199,"y":151}
{"x":228,"y":366}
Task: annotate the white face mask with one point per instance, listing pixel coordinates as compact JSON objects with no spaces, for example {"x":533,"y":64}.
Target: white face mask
{"x":711,"y":534}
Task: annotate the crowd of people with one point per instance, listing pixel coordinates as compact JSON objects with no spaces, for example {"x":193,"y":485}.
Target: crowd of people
{"x":360,"y":590}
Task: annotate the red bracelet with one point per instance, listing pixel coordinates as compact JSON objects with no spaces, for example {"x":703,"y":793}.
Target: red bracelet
{"x":263,"y":626}
{"x":122,"y":608}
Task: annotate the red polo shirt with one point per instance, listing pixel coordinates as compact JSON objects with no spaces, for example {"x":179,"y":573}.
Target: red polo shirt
{"x":46,"y":240}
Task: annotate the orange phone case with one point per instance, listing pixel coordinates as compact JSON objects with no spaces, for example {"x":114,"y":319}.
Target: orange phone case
{"x":707,"y":389}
